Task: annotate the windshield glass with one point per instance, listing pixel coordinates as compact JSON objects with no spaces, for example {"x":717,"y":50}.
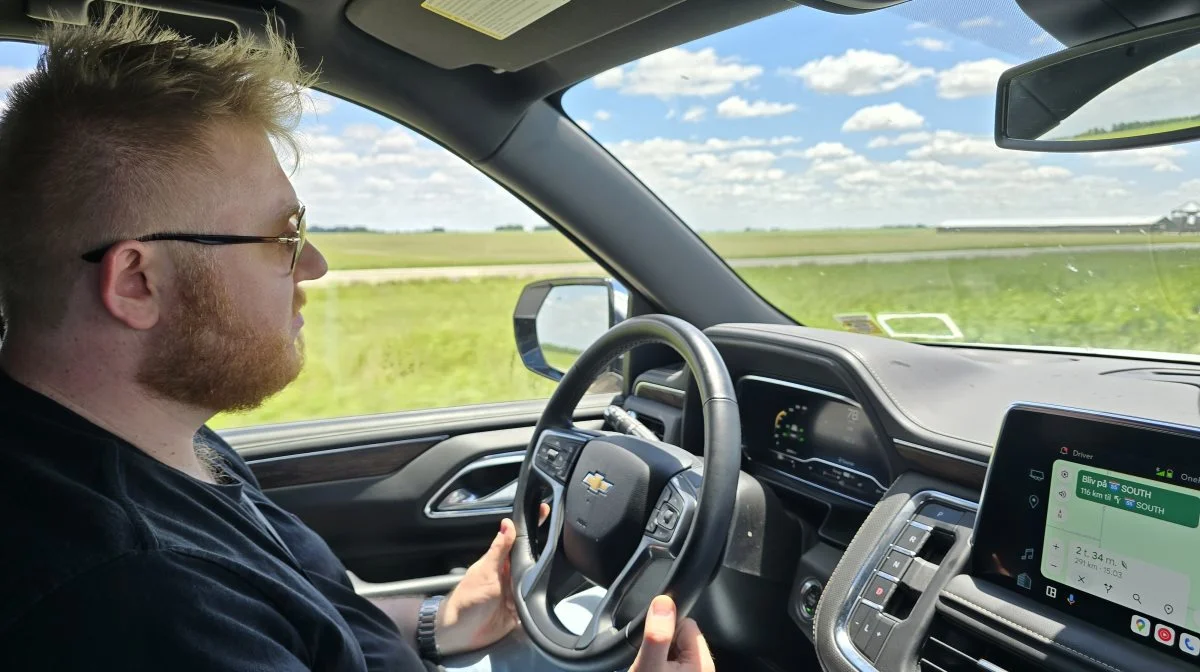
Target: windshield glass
{"x":845,"y":167}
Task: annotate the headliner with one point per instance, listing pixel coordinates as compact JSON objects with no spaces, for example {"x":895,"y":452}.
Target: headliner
{"x":467,"y":91}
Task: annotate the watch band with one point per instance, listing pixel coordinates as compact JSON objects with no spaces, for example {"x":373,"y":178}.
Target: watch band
{"x":426,"y":621}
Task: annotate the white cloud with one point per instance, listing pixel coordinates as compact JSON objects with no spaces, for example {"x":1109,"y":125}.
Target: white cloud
{"x":679,"y":72}
{"x":397,"y":139}
{"x":379,"y":184}
{"x":919,"y":25}
{"x":981,"y":22}
{"x":1158,"y":159}
{"x":889,"y":117}
{"x":609,"y":79}
{"x":751,"y":156}
{"x":585,"y":125}
{"x":603,"y":115}
{"x":694,"y":114}
{"x":951,"y":145}
{"x":318,"y":103}
{"x":970,"y":78}
{"x":928,"y":44}
{"x":10,"y":75}
{"x":859,"y":72}
{"x":362,"y":132}
{"x":1042,"y":38}
{"x":944,"y":174}
{"x":320,"y":142}
{"x":825,"y":150}
{"x":913,"y":138}
{"x":737,"y":107}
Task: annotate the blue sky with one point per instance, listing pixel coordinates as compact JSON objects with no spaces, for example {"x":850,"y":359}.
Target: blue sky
{"x":800,"y":120}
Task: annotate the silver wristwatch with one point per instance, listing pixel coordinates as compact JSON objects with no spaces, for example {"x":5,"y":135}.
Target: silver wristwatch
{"x":426,"y":620}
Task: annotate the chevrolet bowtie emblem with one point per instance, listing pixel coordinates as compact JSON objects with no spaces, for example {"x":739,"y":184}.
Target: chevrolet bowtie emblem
{"x":596,"y":483}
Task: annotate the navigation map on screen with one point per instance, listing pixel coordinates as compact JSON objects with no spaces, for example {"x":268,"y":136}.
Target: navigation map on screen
{"x":1129,"y":540}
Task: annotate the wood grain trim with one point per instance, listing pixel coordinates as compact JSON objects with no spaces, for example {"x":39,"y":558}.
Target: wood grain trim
{"x":335,"y":464}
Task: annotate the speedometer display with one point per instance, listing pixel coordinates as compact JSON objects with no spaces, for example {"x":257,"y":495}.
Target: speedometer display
{"x":790,"y":425}
{"x":821,"y":437}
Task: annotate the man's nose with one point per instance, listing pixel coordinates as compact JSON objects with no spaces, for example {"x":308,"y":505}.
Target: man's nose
{"x":311,"y":264}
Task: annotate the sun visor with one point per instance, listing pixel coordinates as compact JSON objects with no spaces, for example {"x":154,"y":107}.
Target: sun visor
{"x":502,"y":34}
{"x":511,"y":35}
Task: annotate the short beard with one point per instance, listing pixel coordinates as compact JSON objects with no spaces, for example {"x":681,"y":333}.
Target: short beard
{"x":206,"y":355}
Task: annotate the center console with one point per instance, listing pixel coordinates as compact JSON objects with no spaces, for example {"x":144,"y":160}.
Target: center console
{"x":1079,"y":555}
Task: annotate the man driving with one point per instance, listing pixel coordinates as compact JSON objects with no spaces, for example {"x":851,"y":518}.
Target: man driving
{"x":150,"y":259}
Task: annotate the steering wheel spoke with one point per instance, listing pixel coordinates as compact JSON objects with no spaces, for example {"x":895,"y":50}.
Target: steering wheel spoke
{"x":555,"y":454}
{"x":650,"y":567}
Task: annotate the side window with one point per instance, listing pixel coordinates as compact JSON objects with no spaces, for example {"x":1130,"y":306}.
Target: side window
{"x":427,"y":258}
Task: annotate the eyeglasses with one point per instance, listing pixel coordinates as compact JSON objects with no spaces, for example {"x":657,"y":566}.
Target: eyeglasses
{"x":297,"y":240}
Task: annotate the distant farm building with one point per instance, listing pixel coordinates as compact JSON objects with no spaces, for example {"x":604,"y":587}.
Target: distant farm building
{"x":1059,"y":224}
{"x":1186,"y":217}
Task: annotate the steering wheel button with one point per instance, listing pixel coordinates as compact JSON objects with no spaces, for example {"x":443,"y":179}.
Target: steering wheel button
{"x":676,"y":500}
{"x":667,"y":517}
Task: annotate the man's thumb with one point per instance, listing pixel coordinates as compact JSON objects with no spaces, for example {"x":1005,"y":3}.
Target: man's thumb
{"x":503,"y":542}
{"x":656,"y":640}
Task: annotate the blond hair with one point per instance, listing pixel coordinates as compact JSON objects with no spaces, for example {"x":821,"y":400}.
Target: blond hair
{"x":98,"y":142}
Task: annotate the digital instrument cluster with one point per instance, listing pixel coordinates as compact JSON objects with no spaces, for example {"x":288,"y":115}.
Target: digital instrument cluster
{"x":819,"y":437}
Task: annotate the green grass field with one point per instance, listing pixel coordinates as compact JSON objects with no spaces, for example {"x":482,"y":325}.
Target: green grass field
{"x":380,"y":250}
{"x":374,"y":349}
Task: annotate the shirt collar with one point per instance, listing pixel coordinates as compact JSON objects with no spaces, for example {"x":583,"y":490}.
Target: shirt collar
{"x":18,"y":401}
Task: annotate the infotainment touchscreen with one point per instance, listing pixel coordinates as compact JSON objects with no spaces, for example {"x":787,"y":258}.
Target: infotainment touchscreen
{"x":1099,"y":517}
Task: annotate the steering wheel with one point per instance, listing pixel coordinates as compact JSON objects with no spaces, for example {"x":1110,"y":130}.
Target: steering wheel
{"x":636,"y":516}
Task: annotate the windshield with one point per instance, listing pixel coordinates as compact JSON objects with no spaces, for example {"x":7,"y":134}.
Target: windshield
{"x":845,"y":167}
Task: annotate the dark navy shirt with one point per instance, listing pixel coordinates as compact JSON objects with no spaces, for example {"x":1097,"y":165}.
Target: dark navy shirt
{"x":111,"y":560}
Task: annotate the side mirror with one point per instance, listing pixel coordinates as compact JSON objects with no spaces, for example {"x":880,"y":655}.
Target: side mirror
{"x":1136,"y":89}
{"x":556,"y":320}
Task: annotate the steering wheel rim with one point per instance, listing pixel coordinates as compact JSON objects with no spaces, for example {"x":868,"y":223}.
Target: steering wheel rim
{"x":702,"y":490}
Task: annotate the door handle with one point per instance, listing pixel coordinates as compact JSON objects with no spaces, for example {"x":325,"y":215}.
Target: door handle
{"x":462,"y":499}
{"x":456,"y":499}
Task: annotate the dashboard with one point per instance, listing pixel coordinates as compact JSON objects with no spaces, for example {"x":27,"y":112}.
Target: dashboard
{"x":939,"y":530}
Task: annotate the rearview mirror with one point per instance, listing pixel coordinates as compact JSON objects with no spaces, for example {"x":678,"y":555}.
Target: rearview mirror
{"x":1136,"y":89}
{"x":556,"y":320}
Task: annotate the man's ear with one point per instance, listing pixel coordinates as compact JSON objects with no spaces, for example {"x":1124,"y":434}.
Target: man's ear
{"x":131,"y":282}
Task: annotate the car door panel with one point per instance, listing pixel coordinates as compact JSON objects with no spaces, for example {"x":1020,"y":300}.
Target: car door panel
{"x":368,"y":485}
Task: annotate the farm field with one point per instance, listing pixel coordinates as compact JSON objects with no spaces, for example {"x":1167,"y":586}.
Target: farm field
{"x":423,"y":344}
{"x":347,"y":251}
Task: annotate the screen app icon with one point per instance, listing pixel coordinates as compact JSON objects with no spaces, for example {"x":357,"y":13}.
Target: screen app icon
{"x":1165,"y":634}
{"x":1140,"y":626}
{"x":1189,"y":643}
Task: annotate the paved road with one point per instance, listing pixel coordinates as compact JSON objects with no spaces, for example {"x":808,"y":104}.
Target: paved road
{"x":383,"y":275}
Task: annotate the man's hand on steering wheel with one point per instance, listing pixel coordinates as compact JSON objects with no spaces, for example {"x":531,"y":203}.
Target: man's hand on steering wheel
{"x":480,"y":611}
{"x":666,"y":648}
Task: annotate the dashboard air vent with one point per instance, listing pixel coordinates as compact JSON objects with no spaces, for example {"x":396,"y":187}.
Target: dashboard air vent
{"x":953,"y":648}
